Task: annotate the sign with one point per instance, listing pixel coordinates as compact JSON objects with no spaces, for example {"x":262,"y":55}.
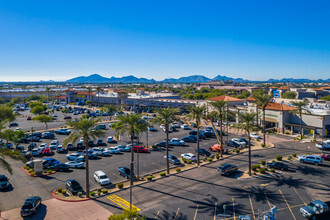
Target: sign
{"x":81,"y":96}
{"x":38,"y":167}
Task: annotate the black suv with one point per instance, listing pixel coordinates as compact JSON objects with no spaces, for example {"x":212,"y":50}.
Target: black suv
{"x":4,"y":182}
{"x":227,"y":169}
{"x":232,"y":144}
{"x":30,"y":206}
{"x":73,"y":186}
{"x":203,"y":152}
{"x":277,"y":166}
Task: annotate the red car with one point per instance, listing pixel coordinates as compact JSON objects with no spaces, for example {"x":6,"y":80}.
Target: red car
{"x":216,"y":148}
{"x":140,"y":149}
{"x":48,"y":152}
{"x":28,"y":118}
{"x":325,"y":156}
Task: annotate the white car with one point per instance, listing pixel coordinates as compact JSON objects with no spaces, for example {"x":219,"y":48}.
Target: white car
{"x":184,"y":126}
{"x":75,"y":157}
{"x":189,"y":156}
{"x":111,"y":140}
{"x":162,"y":126}
{"x":175,"y":125}
{"x":238,"y":141}
{"x":123,"y":148}
{"x":101,"y":151}
{"x":176,"y":142}
{"x":255,"y":135}
{"x":101,"y":178}
{"x":81,"y":139}
{"x":17,"y":129}
{"x":113,"y":150}
{"x":44,"y":145}
{"x":54,"y":144}
{"x":75,"y":164}
{"x":325,"y":145}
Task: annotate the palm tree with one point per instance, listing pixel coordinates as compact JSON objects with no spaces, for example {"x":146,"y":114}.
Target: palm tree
{"x":299,"y":109}
{"x":221,"y":108}
{"x":98,"y":89}
{"x":47,"y":91}
{"x":197,"y":113}
{"x":110,"y":109}
{"x":263,"y":100}
{"x":166,"y":116}
{"x":246,"y":123}
{"x":132,"y":125}
{"x":89,"y":90}
{"x":84,"y":128}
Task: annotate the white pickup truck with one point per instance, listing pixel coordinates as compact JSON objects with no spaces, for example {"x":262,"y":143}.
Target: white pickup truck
{"x":312,"y":159}
{"x":325,"y":145}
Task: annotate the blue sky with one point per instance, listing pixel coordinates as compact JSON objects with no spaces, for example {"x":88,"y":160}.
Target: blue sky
{"x":258,"y":40}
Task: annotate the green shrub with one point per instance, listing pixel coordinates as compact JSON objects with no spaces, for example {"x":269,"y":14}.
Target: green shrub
{"x":257,"y":166}
{"x":32,"y":173}
{"x":162,"y":174}
{"x":237,"y":151}
{"x":149,"y":178}
{"x":272,"y":170}
{"x":26,"y":167}
{"x":262,"y":170}
{"x":263,"y":162}
{"x":210,"y":159}
{"x":262,"y":145}
{"x":154,"y":146}
{"x":205,"y":159}
{"x":184,"y":160}
{"x":254,"y":168}
{"x":104,"y":191}
{"x":63,"y":192}
{"x":294,"y":154}
{"x":189,"y":161}
{"x":278,"y":157}
{"x":80,"y":194}
{"x":49,"y":171}
{"x":98,"y":193}
{"x":120,"y":185}
{"x":217,"y":156}
{"x":30,"y":170}
{"x":273,"y":161}
{"x":59,"y":190}
{"x":92,"y":193}
{"x":289,"y":157}
{"x":254,"y":173}
{"x":307,"y":154}
{"x":178,"y":170}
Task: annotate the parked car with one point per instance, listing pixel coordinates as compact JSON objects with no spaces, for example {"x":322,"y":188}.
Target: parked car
{"x":227,"y":169}
{"x":75,"y":157}
{"x":101,"y":178}
{"x":201,"y":136}
{"x":232,"y":144}
{"x":189,"y":139}
{"x":312,"y":159}
{"x":140,"y":149}
{"x":80,"y":145}
{"x":203,"y":152}
{"x":189,"y":156}
{"x":48,"y":135}
{"x":47,"y":162}
{"x":54,"y":144}
{"x":325,"y":145}
{"x":61,"y":150}
{"x":91,"y":154}
{"x":67,"y":117}
{"x":239,"y":141}
{"x":13,"y":124}
{"x":277,"y":166}
{"x":173,"y":159}
{"x":73,"y":186}
{"x":123,"y":148}
{"x":176,"y":142}
{"x":125,"y":172}
{"x":325,"y":156}
{"x":28,"y":118}
{"x":26,"y":153}
{"x":111,"y":140}
{"x":101,"y":126}
{"x":60,"y":167}
{"x":43,"y":145}
{"x":101,"y":151}
{"x":161,"y":144}
{"x":75,"y":164}
{"x":152,"y":129}
{"x":255,"y":135}
{"x":216,"y":148}
{"x":30,"y":206}
{"x":63,"y":131}
{"x":32,"y":146}
{"x":47,"y":152}
{"x":35,"y":152}
{"x":184,"y":126}
{"x":100,"y":142}
{"x":4,"y":182}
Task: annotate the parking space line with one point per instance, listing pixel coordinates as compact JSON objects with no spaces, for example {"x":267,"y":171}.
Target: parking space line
{"x":215,"y":210}
{"x":267,"y":200}
{"x":293,"y":206}
{"x":299,"y":196}
{"x":287,"y":204}
{"x":252,"y":208}
{"x":157,"y":215}
{"x":176,"y":213}
{"x":196,"y":212}
{"x":122,"y":202}
{"x":234,"y":208}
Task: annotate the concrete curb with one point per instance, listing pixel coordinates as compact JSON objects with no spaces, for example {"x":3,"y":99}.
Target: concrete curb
{"x":67,"y":200}
{"x":47,"y":174}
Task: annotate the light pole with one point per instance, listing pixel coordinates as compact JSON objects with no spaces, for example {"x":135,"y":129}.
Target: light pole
{"x":147,"y":130}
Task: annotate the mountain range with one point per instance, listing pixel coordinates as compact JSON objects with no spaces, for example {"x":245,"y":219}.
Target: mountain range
{"x":96,"y":78}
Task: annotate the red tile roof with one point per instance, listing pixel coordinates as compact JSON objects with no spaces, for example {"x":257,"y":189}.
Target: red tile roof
{"x":60,"y":97}
{"x":284,"y":88}
{"x":279,"y":107}
{"x":251,"y":99}
{"x":85,"y":93}
{"x":121,"y":91}
{"x":225,"y":98}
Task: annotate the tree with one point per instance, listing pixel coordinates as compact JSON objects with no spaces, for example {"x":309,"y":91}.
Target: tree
{"x":84,"y":128}
{"x":166,"y":116}
{"x":37,"y":110}
{"x":132,"y":125}
{"x":6,"y":114}
{"x":300,"y":105}
{"x":263,"y":100}
{"x":197,"y":113}
{"x":43,"y":119}
{"x":98,"y":89}
{"x":220,"y":107}
{"x":289,"y":95}
{"x":246,"y":123}
{"x":17,"y":137}
{"x":326,"y":98}
{"x":126,"y":214}
{"x":89,"y":103}
{"x":110,"y":109}
{"x":8,"y":135}
{"x":65,"y":111}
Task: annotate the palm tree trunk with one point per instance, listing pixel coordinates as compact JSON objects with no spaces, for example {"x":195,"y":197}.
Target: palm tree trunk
{"x":264,"y":124}
{"x":131,"y":174}
{"x":46,"y":125}
{"x":249,"y":154}
{"x":87,"y":165}
{"x":257,"y":115}
{"x":197,"y":144}
{"x":301,"y":131}
{"x":221,"y":141}
{"x":167,"y":161}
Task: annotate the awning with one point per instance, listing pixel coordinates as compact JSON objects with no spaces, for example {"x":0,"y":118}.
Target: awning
{"x":271,"y":120}
{"x":304,"y":126}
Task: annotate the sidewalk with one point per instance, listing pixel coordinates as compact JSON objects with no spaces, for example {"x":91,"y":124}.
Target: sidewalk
{"x":56,"y":209}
